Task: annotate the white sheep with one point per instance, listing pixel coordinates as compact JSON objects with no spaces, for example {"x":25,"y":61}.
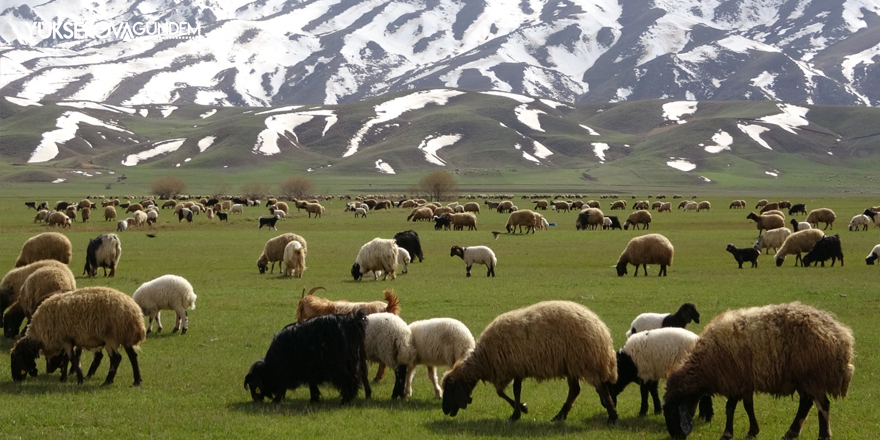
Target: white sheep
{"x":403,"y":258}
{"x":772,"y":238}
{"x":872,"y":256}
{"x":274,"y":251}
{"x":294,"y":259}
{"x":236,"y":209}
{"x":645,"y":359}
{"x":478,"y":255}
{"x":388,"y":340}
{"x":438,"y":342}
{"x":686,"y":313}
{"x":280,"y":214}
{"x":168,"y":292}
{"x":121,"y":225}
{"x":379,"y":254}
{"x":360,"y":212}
{"x":799,"y":226}
{"x":860,"y":221}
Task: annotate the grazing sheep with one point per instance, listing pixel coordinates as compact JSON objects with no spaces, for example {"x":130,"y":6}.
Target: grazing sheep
{"x":140,"y":218}
{"x":169,"y":204}
{"x":800,"y":226}
{"x":403,"y":258}
{"x":134,"y":207}
{"x":686,"y":313}
{"x":269,"y":221}
{"x":422,"y":213}
{"x":38,"y":286}
{"x":704,"y":206}
{"x":409,"y":240}
{"x":823,"y":215}
{"x":547,"y":340}
{"x":41,"y":216}
{"x":209,"y":212}
{"x":523,"y":217}
{"x":797,"y":208}
{"x":103,"y":251}
{"x":736,"y":204}
{"x":770,"y":207}
{"x":438,"y":342}
{"x":761,"y":203}
{"x":790,"y":348}
{"x":379,"y":254}
{"x":561,"y":206}
{"x":58,"y":219}
{"x":611,"y":222}
{"x":168,"y":292}
{"x":645,"y":359}
{"x":742,"y":255}
{"x":86,"y":214}
{"x":827,"y":247}
{"x":459,"y":221}
{"x":185,"y":213}
{"x":774,"y":212}
{"x":109,"y":213}
{"x":872,"y":257}
{"x":152,"y":216}
{"x":478,"y":255}
{"x":236,"y":209}
{"x":45,"y":246}
{"x":274,"y":251}
{"x":650,"y":248}
{"x":87,"y":318}
{"x":280,"y":214}
{"x":665,"y":207}
{"x":589,"y":218}
{"x":360,"y":212}
{"x":860,"y":221}
{"x":619,"y":204}
{"x":71,"y":212}
{"x":121,"y":225}
{"x":10,"y":285}
{"x":442,"y":223}
{"x":310,"y":306}
{"x":690,"y":206}
{"x":800,"y":241}
{"x":506,"y":205}
{"x":294,"y":259}
{"x":473,"y":207}
{"x":637,"y":218}
{"x":388,"y":341}
{"x":772,"y":239}
{"x":222,"y":216}
{"x":768,"y":221}
{"x":540,"y":204}
{"x":324,"y":349}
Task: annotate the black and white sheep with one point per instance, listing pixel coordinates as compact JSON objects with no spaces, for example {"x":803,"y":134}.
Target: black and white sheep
{"x":650,"y":248}
{"x":442,"y":223}
{"x":168,"y":292}
{"x":548,"y":340}
{"x":799,"y":226}
{"x":91,"y":318}
{"x":611,"y":222}
{"x":476,"y":255}
{"x":45,"y":246}
{"x":742,"y":255}
{"x":103,"y":251}
{"x":859,"y":222}
{"x":686,"y":313}
{"x":409,"y":240}
{"x":379,"y":254}
{"x":776,"y":349}
{"x":872,"y":256}
{"x":327,"y":348}
{"x":826,"y":248}
{"x":269,"y":221}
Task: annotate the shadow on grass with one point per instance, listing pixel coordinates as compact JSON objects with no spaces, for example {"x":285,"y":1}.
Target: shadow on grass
{"x":647,"y":428}
{"x":293,"y":407}
{"x":50,"y":384}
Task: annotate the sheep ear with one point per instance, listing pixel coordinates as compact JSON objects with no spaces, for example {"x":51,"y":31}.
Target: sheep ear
{"x":685,"y":419}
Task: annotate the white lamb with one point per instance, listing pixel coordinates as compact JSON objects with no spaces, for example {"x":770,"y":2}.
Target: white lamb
{"x":280,"y":214}
{"x":168,"y":292}
{"x":438,"y":342}
{"x":294,"y":259}
{"x":388,"y":340}
{"x":236,"y":209}
{"x":403,"y":258}
{"x":860,"y":221}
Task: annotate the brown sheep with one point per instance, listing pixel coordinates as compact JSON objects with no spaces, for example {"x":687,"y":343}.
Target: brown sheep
{"x":637,"y":218}
{"x":590,"y":218}
{"x":523,"y":217}
{"x":770,"y":207}
{"x":665,"y":207}
{"x":651,"y":248}
{"x":761,"y":203}
{"x":109,"y":213}
{"x":823,"y":215}
{"x":58,"y":219}
{"x":45,"y":246}
{"x":620,"y":204}
{"x":769,"y":221}
{"x":274,"y":251}
{"x":704,"y":206}
{"x":472,"y":207}
{"x":423,"y":213}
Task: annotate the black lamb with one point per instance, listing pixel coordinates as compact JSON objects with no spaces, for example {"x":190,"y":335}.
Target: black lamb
{"x":797,"y":208}
{"x":268,"y":221}
{"x":827,"y":247}
{"x":323,"y":349}
{"x":745,"y":254}
{"x":409,"y":240}
{"x":615,"y":223}
{"x":441,"y":223}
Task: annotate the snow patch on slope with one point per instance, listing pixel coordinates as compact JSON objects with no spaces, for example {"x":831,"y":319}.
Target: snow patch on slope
{"x":590,"y":130}
{"x":681,"y":163}
{"x":162,"y":147}
{"x":529,"y":116}
{"x":754,"y":132}
{"x":383,"y":167}
{"x":599,"y":149}
{"x":67,"y":126}
{"x":22,"y":102}
{"x":431,"y":145}
{"x":674,"y":111}
{"x":206,"y":142}
{"x":723,"y":140}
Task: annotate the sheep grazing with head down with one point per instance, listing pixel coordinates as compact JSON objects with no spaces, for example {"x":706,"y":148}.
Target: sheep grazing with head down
{"x":403,"y":259}
{"x":12,"y":282}
{"x":826,"y":248}
{"x":872,"y":256}
{"x":327,"y":348}
{"x":637,"y":218}
{"x":859,"y":222}
{"x":547,"y":340}
{"x":589,"y":218}
{"x":379,"y":254}
{"x":45,"y":246}
{"x":645,"y":359}
{"x":686,"y":313}
{"x":821,"y":215}
{"x":776,"y":349}
{"x":772,"y":239}
{"x":796,"y":243}
{"x":103,"y":251}
{"x":38,"y":286}
{"x":800,"y":226}
{"x":274,"y":251}
{"x":89,"y":318}
{"x":476,"y":255}
{"x":438,"y":342}
{"x":519,"y":219}
{"x":409,"y":240}
{"x":168,"y":292}
{"x":644,"y":250}
{"x":294,"y":259}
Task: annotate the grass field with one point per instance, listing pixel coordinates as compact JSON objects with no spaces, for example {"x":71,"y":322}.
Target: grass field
{"x":193,"y":383}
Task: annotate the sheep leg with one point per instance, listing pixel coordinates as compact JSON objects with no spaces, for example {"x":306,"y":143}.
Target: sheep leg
{"x":159,"y":320}
{"x":706,"y":410}
{"x":180,"y":316}
{"x":662,"y":270}
{"x":823,"y":406}
{"x":609,"y":403}
{"x":806,"y":403}
{"x":728,"y":426}
{"x":468,"y":267}
{"x":749,"y":405}
{"x":518,"y":408}
{"x":650,"y":387}
{"x":368,"y":392}
{"x":64,"y":359}
{"x":380,"y":373}
{"x":115,"y":359}
{"x":75,"y":366}
{"x":96,"y":361}
{"x":410,"y":374}
{"x":645,"y":268}
{"x":432,"y":374}
{"x":574,"y":389}
{"x":491,"y":271}
{"x":399,"y":382}
{"x":314,"y":392}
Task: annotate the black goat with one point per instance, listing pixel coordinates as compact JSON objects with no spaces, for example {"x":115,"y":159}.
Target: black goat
{"x":266,"y":221}
{"x":224,"y":217}
{"x":327,"y":348}
{"x":745,"y":254}
{"x":797,"y":208}
{"x":827,"y":247}
{"x":409,"y":240}
{"x":441,"y":223}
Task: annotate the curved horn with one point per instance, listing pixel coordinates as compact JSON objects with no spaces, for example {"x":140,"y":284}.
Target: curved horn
{"x":315,"y":289}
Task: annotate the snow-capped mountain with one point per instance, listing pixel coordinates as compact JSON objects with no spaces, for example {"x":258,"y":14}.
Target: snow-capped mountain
{"x":274,"y":52}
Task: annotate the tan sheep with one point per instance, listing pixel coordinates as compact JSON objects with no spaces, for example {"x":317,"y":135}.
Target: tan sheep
{"x":58,"y":219}
{"x":768,"y":222}
{"x":459,"y":221}
{"x":294,"y":259}
{"x":523,"y":217}
{"x":134,"y":207}
{"x":770,"y":207}
{"x":774,"y":212}
{"x":541,"y":204}
{"x":619,"y":204}
{"x":704,"y":206}
{"x":773,"y":238}
{"x":45,"y":246}
{"x":690,"y":206}
{"x":84,"y":203}
{"x":41,"y":216}
{"x":109,"y":213}
{"x":665,"y":207}
{"x":443,"y":210}
{"x":312,"y":208}
{"x":796,"y":243}
{"x":776,"y":349}
{"x":170,"y":204}
{"x":10,"y":285}
{"x":548,"y":340}
{"x":823,"y":215}
{"x":562,"y":206}
{"x":90,"y":318}
{"x":637,"y":218}
{"x":38,"y":286}
{"x":472,"y":207}
{"x":423,"y":213}
{"x":761,"y":203}
{"x":590,"y":218}
{"x":736,"y":204}
{"x":644,"y":250}
{"x":86,"y":214}
{"x":504,"y":206}
{"x":274,"y":251}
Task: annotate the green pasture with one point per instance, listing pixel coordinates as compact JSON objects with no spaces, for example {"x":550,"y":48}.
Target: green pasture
{"x":193,"y":384}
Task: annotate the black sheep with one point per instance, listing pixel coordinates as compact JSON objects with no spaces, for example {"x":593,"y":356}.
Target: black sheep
{"x":797,"y":208}
{"x":223,"y":216}
{"x":268,"y":221}
{"x":441,"y":223}
{"x":409,"y":240}
{"x":615,"y":223}
{"x":827,"y":247}
{"x":327,"y":348}
{"x":31,"y":205}
{"x":744,"y":254}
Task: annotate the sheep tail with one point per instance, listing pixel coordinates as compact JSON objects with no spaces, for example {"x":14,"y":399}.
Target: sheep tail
{"x":393,"y":303}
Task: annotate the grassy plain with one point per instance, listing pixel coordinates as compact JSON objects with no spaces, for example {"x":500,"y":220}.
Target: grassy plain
{"x":193,"y":384}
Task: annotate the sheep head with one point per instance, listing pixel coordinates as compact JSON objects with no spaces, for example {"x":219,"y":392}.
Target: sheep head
{"x":688,"y":312}
{"x":456,"y":395}
{"x":254,"y":381}
{"x":621,"y":268}
{"x":356,"y":272}
{"x":871,"y":259}
{"x":459,"y":251}
{"x":262,"y":266}
{"x":12,"y":321}
{"x":23,"y":358}
{"x":680,"y":417}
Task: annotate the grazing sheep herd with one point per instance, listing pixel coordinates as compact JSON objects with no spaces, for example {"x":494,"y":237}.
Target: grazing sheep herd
{"x":777,"y":349}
